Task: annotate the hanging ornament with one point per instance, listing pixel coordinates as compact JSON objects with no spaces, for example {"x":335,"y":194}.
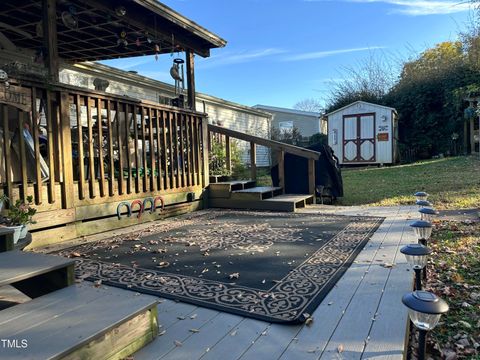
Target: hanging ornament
{"x":137,"y":42}
{"x":123,"y":34}
{"x":149,"y":38}
{"x":69,"y":20}
{"x":156,"y":48}
{"x":120,"y":11}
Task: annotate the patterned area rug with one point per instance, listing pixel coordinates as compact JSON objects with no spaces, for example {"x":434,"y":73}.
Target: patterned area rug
{"x":271,"y":266}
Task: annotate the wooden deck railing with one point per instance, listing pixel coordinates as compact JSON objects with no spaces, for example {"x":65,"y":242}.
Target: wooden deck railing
{"x":281,"y":148}
{"x":78,"y":151}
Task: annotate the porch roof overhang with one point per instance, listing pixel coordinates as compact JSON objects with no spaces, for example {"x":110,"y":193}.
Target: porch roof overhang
{"x":91,"y":29}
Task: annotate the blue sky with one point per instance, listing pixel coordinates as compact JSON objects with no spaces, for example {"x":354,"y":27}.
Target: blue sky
{"x":282,"y":51}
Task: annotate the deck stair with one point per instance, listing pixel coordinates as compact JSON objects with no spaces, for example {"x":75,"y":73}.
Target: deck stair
{"x":245,"y":194}
{"x":66,"y":320}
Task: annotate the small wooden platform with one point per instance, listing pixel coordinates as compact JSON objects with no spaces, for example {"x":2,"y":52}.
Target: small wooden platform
{"x":79,"y":322}
{"x":256,"y":193}
{"x":362,"y":315}
{"x":35,"y":274}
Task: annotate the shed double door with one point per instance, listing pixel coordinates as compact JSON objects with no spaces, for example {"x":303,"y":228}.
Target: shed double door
{"x":359,"y":138}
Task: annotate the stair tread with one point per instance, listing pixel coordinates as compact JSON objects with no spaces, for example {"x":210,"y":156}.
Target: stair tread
{"x":242,"y":182}
{"x":17,"y":265}
{"x":62,"y":321}
{"x":258,"y":189}
{"x":289,"y":197}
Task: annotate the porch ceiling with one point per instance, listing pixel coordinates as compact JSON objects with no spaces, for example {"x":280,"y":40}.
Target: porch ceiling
{"x":99,"y":27}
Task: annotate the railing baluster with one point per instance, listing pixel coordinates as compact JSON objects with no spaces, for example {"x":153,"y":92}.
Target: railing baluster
{"x":8,"y":158}
{"x":281,"y":169}
{"x":111,"y":164}
{"x":137,"y":161}
{"x":311,"y":178}
{"x":51,"y":150}
{"x":91,"y":152}
{"x":81,"y":163}
{"x":160,"y":150}
{"x":228,"y":154}
{"x":165,"y":152}
{"x":198,"y":147}
{"x":253,"y":161}
{"x":120,"y":147}
{"x":101,"y":180}
{"x":181,"y":119}
{"x":127,"y":145}
{"x":38,"y":187}
{"x":177,"y":152}
{"x":151,"y":146}
{"x":188,"y":148}
{"x":173,"y":182}
{"x":145,"y":182}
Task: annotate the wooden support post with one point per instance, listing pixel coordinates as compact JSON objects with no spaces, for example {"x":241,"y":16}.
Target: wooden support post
{"x":281,"y":169}
{"x":50,"y":37}
{"x":311,"y":179}
{"x":253,"y":161}
{"x":51,"y":149}
{"x":228,"y":157}
{"x":191,"y":79}
{"x":81,"y":166}
{"x":66,"y":146}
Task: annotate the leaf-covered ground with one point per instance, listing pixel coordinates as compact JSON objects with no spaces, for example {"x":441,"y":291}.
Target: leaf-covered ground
{"x":453,"y":183}
{"x":454,"y":275}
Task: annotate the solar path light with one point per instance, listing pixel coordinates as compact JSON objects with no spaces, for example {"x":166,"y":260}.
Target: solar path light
{"x":424,"y":203}
{"x":424,"y":310}
{"x":427,"y":214}
{"x":417,"y":256}
{"x":423,"y":231}
{"x":421,"y":195}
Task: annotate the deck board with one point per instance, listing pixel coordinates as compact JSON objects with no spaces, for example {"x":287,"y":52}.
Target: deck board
{"x":366,"y":291}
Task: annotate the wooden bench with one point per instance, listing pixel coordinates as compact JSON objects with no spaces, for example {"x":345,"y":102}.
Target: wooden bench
{"x":35,"y":274}
{"x":79,"y":322}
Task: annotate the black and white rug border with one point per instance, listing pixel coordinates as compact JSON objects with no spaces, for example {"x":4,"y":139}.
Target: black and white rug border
{"x":289,"y":300}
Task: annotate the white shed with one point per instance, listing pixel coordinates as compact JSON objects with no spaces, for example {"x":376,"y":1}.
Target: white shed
{"x":363,"y":133}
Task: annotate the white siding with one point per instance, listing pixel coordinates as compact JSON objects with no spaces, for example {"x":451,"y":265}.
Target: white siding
{"x":384,"y":125}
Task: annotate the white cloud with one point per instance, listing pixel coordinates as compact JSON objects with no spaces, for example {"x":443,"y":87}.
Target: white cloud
{"x":420,"y":7}
{"x":323,"y":54}
{"x":239,"y":57}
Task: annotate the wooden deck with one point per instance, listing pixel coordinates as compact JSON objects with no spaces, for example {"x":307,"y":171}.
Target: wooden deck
{"x":361,"y":318}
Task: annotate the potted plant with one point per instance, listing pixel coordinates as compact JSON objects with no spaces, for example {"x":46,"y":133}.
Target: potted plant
{"x":19,"y":215}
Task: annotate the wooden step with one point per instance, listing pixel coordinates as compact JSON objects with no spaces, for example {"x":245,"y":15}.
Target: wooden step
{"x":35,"y":274}
{"x":224,"y":189}
{"x":287,"y":203}
{"x":213,"y":179}
{"x":256,"y":193}
{"x":79,"y":322}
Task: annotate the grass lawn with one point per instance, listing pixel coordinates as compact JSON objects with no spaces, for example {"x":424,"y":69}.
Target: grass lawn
{"x":453,"y":183}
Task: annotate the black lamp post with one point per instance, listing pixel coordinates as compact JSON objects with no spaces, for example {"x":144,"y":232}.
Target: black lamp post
{"x":424,"y":203}
{"x":416,"y":255}
{"x":424,"y":310}
{"x":421,"y":195}
{"x":427,"y":214}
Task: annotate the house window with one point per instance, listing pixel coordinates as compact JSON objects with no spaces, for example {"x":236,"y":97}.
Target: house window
{"x":285,"y":127}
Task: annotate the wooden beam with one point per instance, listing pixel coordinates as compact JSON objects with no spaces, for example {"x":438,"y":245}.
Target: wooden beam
{"x":23,"y":156}
{"x":50,"y":37}
{"x":309,"y":154}
{"x":8,"y":157}
{"x":253,"y":161}
{"x":191,"y":79}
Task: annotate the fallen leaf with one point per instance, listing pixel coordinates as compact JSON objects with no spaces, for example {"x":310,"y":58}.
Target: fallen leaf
{"x":194,"y":316}
{"x":75,"y":254}
{"x":340,"y":348}
{"x":177,"y":343}
{"x":234,"y":275}
{"x":162,"y":332}
{"x":194,"y":330}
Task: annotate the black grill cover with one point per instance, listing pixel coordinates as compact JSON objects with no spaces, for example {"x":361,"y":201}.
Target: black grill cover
{"x":328,"y":177}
